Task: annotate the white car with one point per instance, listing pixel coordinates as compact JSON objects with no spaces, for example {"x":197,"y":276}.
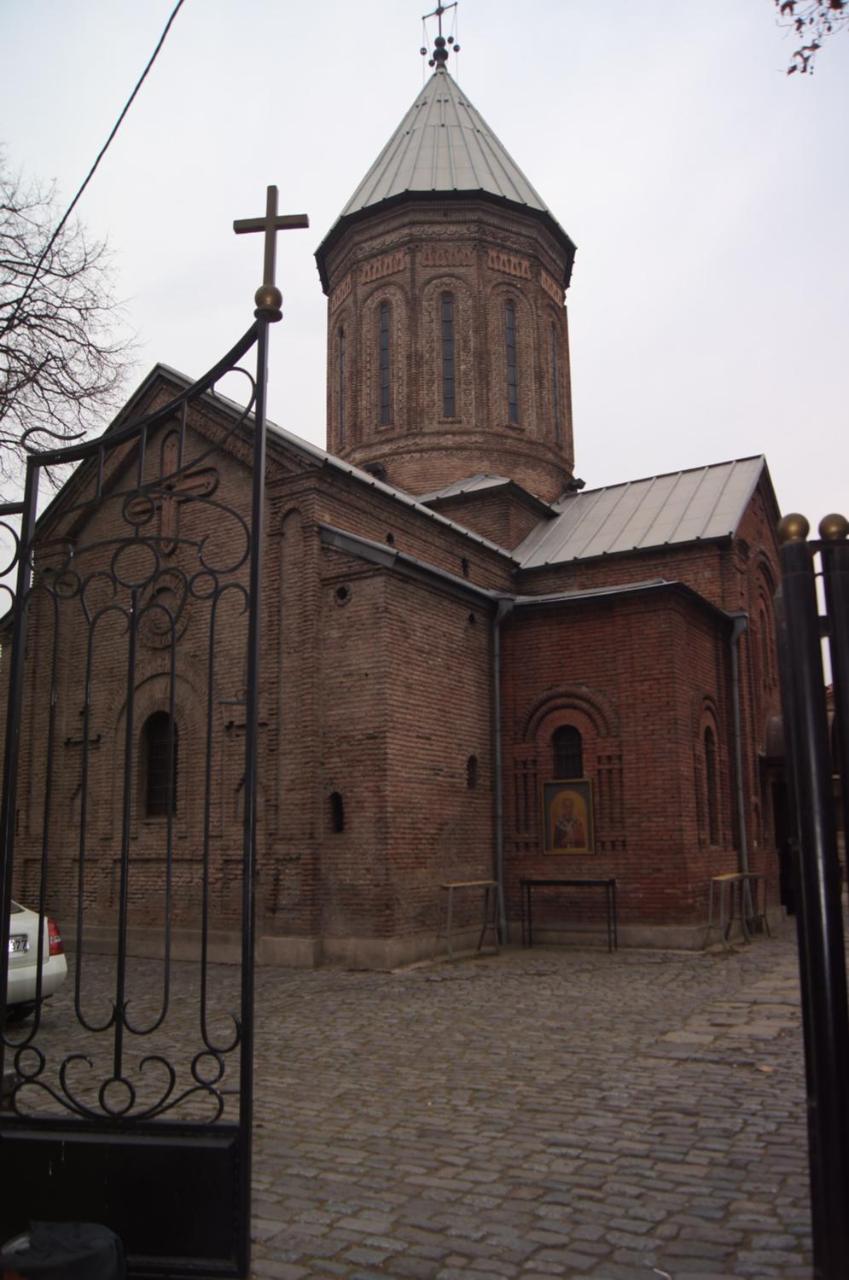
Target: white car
{"x":23,"y":961}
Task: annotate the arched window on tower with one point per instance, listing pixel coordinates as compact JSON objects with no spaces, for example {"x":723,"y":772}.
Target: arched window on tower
{"x":384,"y":356}
{"x":567,"y":751}
{"x":449,"y":390}
{"x":766,"y":651}
{"x":510,"y":355}
{"x":159,"y":758}
{"x":555,"y":382}
{"x":340,"y":385}
{"x":711,"y":780}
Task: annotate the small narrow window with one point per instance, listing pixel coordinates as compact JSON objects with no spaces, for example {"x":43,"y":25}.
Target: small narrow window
{"x":710,"y":783}
{"x":555,"y":384}
{"x":385,"y":389}
{"x":472,"y":772}
{"x":567,"y":753}
{"x":340,"y":390}
{"x":159,"y":753}
{"x":337,"y":812}
{"x":449,"y":401}
{"x":510,"y":351}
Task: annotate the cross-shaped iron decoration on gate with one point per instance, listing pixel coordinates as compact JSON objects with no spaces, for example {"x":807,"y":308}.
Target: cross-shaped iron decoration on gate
{"x":268,"y":297}
{"x":173,"y":489}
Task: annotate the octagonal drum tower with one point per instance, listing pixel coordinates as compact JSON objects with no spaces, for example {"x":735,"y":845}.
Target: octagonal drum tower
{"x":445,"y":275}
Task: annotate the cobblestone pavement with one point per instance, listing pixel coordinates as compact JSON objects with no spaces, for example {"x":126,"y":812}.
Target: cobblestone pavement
{"x":535,"y":1114}
{"x":538,"y":1114}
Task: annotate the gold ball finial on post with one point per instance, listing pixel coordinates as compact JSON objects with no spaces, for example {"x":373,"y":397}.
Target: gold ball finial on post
{"x":834,"y":527}
{"x":793,"y":528}
{"x":269,"y":302}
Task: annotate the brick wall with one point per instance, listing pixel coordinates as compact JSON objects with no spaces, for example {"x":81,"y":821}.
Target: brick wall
{"x":640,"y":679}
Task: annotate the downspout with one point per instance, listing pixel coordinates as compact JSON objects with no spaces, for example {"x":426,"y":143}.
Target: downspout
{"x":505,"y":608}
{"x":741,"y":624}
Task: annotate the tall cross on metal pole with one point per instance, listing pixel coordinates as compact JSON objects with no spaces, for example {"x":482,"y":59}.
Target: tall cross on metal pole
{"x":268,"y":297}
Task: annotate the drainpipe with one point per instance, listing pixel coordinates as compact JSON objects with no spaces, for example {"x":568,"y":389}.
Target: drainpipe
{"x":741,"y":624}
{"x":505,"y":608}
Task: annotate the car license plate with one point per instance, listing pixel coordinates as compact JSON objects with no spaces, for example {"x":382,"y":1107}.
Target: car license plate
{"x":18,"y":942}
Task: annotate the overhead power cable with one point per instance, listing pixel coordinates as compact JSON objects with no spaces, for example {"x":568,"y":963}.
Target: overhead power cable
{"x":101,"y":153}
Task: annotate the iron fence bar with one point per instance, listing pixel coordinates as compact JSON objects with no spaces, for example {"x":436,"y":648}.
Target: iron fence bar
{"x":819,"y":919}
{"x":250,"y":788}
{"x":142,"y":456}
{"x":834,"y":556}
{"x":47,"y":811}
{"x":123,"y":903}
{"x":806,"y":969}
{"x":173,"y":775}
{"x":81,"y":870}
{"x":13,"y":715}
{"x":207,"y":811}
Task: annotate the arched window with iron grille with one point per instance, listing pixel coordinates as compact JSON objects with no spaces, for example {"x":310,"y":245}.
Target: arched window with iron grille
{"x":555,"y":383}
{"x":449,"y":363}
{"x":567,"y":750}
{"x":711,"y":782}
{"x":340,"y":387}
{"x":159,"y":755}
{"x":384,"y":363}
{"x":511,"y":362}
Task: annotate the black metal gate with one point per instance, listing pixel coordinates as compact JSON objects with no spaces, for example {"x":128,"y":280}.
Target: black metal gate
{"x":132,"y":659}
{"x":817,"y":756}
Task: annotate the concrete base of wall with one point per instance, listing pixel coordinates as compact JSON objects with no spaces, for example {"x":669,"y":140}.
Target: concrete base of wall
{"x":650,"y":936}
{"x":394,"y":953}
{"x":660,"y":937}
{"x":225,"y":946}
{"x":281,"y":952}
{"x":391,"y":953}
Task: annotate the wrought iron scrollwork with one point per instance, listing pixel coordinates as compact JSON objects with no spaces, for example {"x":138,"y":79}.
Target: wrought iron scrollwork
{"x":148,"y":547}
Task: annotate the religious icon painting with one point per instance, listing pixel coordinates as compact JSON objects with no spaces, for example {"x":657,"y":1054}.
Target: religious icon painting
{"x":567,"y":808}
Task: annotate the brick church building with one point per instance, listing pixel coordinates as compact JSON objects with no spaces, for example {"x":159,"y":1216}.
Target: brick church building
{"x":474,"y":667}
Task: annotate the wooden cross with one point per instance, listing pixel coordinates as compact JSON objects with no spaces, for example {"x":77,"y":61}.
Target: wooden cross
{"x":268,"y":296}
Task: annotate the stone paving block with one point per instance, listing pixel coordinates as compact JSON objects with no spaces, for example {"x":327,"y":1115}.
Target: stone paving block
{"x":572,"y":1259}
{"x":279,"y":1270}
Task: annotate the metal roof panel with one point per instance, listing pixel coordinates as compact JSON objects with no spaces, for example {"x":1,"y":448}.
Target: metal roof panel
{"x":684,"y":506}
{"x":443,"y":144}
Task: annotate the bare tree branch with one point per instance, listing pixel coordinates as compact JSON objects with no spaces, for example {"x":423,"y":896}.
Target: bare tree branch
{"x":812,"y":21}
{"x":60,"y":364}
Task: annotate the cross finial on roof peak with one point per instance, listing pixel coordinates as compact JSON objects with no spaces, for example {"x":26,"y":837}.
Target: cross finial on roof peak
{"x":441,"y":47}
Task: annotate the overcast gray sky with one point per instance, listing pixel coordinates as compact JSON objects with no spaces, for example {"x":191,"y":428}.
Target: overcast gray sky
{"x":707,"y":192}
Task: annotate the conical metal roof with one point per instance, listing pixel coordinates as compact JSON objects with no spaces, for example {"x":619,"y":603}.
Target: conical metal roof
{"x":443,"y":144}
{"x":443,"y":149}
